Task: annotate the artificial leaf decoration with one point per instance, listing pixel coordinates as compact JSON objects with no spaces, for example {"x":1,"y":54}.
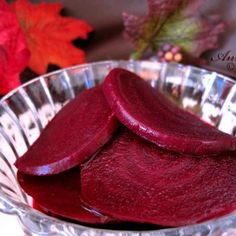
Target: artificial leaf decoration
{"x":14,"y":54}
{"x":175,"y":22}
{"x":49,"y":35}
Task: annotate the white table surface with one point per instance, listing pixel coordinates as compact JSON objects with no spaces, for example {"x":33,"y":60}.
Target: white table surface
{"x":9,"y":226}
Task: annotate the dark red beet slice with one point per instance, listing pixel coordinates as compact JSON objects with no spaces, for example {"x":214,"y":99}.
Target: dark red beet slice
{"x":149,"y":114}
{"x":76,"y":132}
{"x":37,"y":206}
{"x":132,"y":179}
{"x":59,"y":195}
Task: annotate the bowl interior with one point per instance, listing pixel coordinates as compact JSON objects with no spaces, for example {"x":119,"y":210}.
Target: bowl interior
{"x":25,"y":112}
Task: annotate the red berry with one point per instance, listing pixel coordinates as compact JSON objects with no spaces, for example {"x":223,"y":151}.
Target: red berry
{"x":175,"y":49}
{"x":166,"y":47}
{"x":160,"y":54}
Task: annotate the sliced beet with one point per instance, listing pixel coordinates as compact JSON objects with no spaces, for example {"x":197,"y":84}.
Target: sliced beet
{"x":37,"y":206}
{"x":59,"y":195}
{"x":132,"y":179}
{"x":148,"y":113}
{"x":76,"y":132}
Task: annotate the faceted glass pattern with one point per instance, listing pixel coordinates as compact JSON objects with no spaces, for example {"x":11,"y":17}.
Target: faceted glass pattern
{"x":25,"y":111}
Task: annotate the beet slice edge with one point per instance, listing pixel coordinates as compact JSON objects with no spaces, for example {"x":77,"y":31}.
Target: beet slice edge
{"x":148,"y":113}
{"x":78,"y":130}
{"x":59,"y":195}
{"x":132,"y":179}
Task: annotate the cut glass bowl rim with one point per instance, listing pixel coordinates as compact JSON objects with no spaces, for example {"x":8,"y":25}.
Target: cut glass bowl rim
{"x":17,"y":207}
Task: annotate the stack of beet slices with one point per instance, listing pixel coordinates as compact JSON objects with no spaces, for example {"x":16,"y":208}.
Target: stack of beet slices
{"x":121,"y":152}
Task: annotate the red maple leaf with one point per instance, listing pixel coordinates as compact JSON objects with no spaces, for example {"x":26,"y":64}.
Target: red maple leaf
{"x":49,"y":35}
{"x":14,"y":54}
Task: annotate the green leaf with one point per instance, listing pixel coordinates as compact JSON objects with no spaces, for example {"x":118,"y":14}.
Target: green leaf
{"x":177,"y":24}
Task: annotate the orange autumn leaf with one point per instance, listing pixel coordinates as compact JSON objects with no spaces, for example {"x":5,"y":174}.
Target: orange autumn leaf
{"x":49,"y":35}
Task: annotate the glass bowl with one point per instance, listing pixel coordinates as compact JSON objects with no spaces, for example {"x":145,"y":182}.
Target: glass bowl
{"x":25,"y":111}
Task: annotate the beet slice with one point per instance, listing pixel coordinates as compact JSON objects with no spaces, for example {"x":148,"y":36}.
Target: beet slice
{"x":38,"y":207}
{"x":148,"y":113}
{"x":76,"y":132}
{"x":132,"y":179}
{"x":59,"y":195}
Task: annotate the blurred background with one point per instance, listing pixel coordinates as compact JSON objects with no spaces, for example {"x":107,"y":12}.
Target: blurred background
{"x":107,"y":41}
